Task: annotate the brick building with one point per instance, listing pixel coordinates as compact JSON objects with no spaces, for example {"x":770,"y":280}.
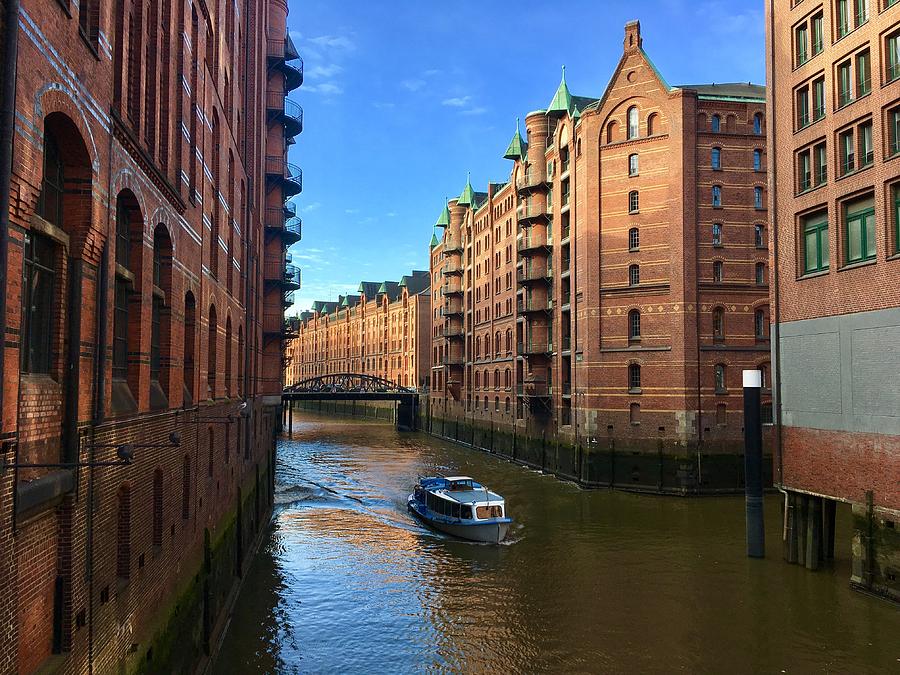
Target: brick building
{"x":382,"y":331}
{"x":834,"y":102}
{"x":145,"y":224}
{"x":612,"y":290}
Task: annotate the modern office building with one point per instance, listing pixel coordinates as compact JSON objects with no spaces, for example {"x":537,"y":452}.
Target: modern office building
{"x":610,"y":293}
{"x":383,"y":332}
{"x":143,"y":240}
{"x":834,"y":133}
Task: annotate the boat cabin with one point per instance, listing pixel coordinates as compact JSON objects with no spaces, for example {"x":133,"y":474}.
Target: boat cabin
{"x":458,"y":497}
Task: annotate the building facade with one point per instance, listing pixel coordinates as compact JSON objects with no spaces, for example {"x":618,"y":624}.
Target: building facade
{"x":144,"y":228}
{"x":834,"y":105}
{"x":383,"y":331}
{"x":612,"y":290}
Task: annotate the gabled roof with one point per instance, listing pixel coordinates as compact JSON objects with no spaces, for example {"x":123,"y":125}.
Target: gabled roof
{"x":389,"y":288}
{"x":517,"y":147}
{"x":478,"y":200}
{"x":350,"y":301}
{"x":369,"y":289}
{"x":419,"y":281}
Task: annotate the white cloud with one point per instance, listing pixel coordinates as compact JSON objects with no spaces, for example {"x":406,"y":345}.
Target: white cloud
{"x":474,"y":111}
{"x":412,"y":85}
{"x":457,"y":101}
{"x":314,"y":206}
{"x":326,"y":88}
{"x":391,"y":214}
{"x":334,"y":42}
{"x":323,"y":71}
{"x":351,"y":211}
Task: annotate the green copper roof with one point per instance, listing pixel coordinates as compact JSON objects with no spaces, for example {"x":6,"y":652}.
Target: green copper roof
{"x":576,"y":115}
{"x":434,"y":240}
{"x":517,"y":147}
{"x":465,"y":199}
{"x":562,"y":99}
{"x":444,"y":219}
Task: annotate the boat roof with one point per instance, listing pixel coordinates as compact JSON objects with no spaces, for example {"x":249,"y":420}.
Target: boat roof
{"x":441,"y":486}
{"x":456,"y":478}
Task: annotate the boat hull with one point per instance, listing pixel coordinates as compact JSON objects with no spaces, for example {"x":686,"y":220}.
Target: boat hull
{"x":490,"y":532}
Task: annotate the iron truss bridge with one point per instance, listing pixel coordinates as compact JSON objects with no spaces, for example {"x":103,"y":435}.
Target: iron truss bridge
{"x":355,"y":387}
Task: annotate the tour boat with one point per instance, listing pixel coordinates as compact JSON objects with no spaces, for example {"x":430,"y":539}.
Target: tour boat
{"x":461,"y":507}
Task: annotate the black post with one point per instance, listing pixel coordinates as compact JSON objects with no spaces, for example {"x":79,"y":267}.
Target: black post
{"x":753,"y":469}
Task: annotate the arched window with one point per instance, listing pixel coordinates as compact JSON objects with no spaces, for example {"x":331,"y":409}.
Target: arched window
{"x":716,"y":196}
{"x":718,"y":324}
{"x":157,"y":507}
{"x":215,"y":169}
{"x":497,"y":343}
{"x":758,"y":197}
{"x":611,"y":131}
{"x":507,"y":405}
{"x":508,"y":341}
{"x":652,"y":120}
{"x":757,"y":124}
{"x":721,"y":384}
{"x":123,"y":532}
{"x":757,"y":160}
{"x":477,"y":380}
{"x":715,"y":124}
{"x":759,"y":324}
{"x":186,"y":487}
{"x":760,"y":273}
{"x":507,"y":378}
{"x":496,"y":404}
{"x":633,"y":123}
{"x":717,"y":234}
{"x":634,"y":325}
{"x":718,"y":271}
{"x":634,"y":275}
{"x":212,"y":348}
{"x":497,"y":378}
{"x":634,"y":378}
{"x":127,"y":282}
{"x":477,"y":346}
{"x":160,"y":318}
{"x":634,"y":239}
{"x":634,"y":202}
{"x":633,"y":164}
{"x":228,"y":371}
{"x":716,"y":159}
{"x":190,"y":340}
{"x":759,"y":235}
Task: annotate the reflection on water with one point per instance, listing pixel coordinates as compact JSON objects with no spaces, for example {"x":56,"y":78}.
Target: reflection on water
{"x":589,"y":581}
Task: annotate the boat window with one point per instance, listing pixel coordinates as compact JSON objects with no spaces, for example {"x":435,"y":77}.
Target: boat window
{"x":466,"y":512}
{"x":454,"y":510}
{"x":489,"y":512}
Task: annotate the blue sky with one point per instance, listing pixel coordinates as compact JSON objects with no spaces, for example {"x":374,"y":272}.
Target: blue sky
{"x":402,"y":98}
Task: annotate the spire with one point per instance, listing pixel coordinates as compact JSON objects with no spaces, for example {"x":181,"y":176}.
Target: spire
{"x":562,"y":99}
{"x":517,"y":147}
{"x":467,"y":198}
{"x":434,"y":240}
{"x":576,"y":114}
{"x":444,"y":219}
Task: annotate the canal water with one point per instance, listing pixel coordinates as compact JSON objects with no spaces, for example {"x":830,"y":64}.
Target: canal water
{"x":589,"y":581}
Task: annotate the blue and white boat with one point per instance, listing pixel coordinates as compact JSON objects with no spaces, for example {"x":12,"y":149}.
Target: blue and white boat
{"x":461,"y":507}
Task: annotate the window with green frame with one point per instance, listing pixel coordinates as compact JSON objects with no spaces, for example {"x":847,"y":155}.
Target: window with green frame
{"x":894,"y":131}
{"x":818,"y":34}
{"x":896,"y":191}
{"x":814,"y":229}
{"x":859,"y":230}
{"x":843,"y":18}
{"x":892,"y":47}
{"x":845,"y":83}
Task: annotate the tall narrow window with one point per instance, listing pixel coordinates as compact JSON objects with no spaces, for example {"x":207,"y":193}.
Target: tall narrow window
{"x":634,"y":239}
{"x":633,"y":123}
{"x":716,"y":158}
{"x":802,"y":107}
{"x":820,"y":160}
{"x":634,"y":325}
{"x":634,"y":378}
{"x":759,"y":324}
{"x":760,"y":274}
{"x":634,"y":203}
{"x":892,"y":50}
{"x":718,"y":324}
{"x":229,"y":385}
{"x":758,"y":124}
{"x":801,"y":39}
{"x":38,"y":283}
{"x":896,"y":194}
{"x":757,"y":160}
{"x":842,"y":18}
{"x":186,"y":487}
{"x":212,"y":348}
{"x":818,"y":34}
{"x":715,"y":124}
{"x":721,"y":387}
{"x":866,"y":149}
{"x":717,"y":234}
{"x":847,"y":145}
{"x":50,"y":204}
{"x":758,"y":197}
{"x":845,"y":83}
{"x":759,"y":236}
{"x":863,"y":73}
{"x":716,"y":196}
{"x":814,"y":228}
{"x":859,"y":230}
{"x":634,"y":275}
{"x":632,"y":165}
{"x":718,"y":271}
{"x":190,"y":338}
{"x":862,"y":12}
{"x":818,"y":99}
{"x":894,"y":131}
{"x":126,"y":214}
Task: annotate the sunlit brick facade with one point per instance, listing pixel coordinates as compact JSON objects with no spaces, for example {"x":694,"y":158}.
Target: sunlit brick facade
{"x":146,"y":237}
{"x":616,"y":285}
{"x":383,"y":332}
{"x":834,"y":102}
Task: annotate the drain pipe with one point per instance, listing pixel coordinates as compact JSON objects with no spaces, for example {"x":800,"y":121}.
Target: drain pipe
{"x":7,"y":136}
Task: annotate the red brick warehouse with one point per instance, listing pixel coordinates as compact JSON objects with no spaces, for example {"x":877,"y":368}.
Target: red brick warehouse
{"x":609,"y":293}
{"x":145,"y":225}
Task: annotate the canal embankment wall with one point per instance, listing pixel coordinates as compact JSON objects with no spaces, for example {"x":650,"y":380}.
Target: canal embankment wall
{"x":659,"y":466}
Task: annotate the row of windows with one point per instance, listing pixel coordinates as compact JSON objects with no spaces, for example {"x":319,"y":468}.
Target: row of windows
{"x":760,"y":324}
{"x":759,"y":236}
{"x":858,"y":228}
{"x":634,"y":199}
{"x":715,"y":123}
{"x":720,"y":378}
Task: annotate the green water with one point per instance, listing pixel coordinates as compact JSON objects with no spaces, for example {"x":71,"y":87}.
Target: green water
{"x":589,"y":581}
